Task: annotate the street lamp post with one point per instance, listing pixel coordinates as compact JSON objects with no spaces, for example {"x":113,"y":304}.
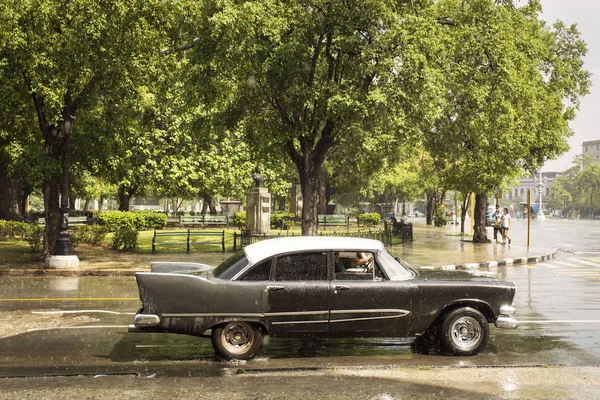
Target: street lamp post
{"x":540,"y":184}
{"x":63,"y":253}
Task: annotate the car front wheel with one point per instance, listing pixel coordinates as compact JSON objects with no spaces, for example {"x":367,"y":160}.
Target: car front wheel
{"x":465,"y":332}
{"x":237,"y":340}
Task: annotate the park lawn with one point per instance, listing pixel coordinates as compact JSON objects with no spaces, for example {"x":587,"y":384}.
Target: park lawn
{"x":15,"y":251}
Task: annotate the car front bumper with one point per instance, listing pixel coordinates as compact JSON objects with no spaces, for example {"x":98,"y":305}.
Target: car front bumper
{"x":506,"y":322}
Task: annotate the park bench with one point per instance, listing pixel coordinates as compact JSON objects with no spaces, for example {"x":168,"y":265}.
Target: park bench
{"x":189,"y":238}
{"x":326,"y":220}
{"x":204,"y":220}
{"x":72,"y":221}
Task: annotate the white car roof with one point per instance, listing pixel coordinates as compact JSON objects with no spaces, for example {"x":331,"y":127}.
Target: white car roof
{"x":270,"y":247}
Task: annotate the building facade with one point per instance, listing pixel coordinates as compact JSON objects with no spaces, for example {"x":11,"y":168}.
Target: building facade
{"x":592,"y":149}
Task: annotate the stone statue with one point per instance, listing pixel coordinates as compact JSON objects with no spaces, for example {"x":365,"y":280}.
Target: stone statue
{"x":258,"y":178}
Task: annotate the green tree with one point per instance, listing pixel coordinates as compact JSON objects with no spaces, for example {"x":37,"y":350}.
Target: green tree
{"x":513,"y":84}
{"x":559,"y":197}
{"x":65,"y":56}
{"x":311,"y":77}
{"x":588,"y":181}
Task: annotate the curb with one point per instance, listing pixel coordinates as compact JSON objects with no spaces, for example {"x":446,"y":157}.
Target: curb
{"x":492,"y":264}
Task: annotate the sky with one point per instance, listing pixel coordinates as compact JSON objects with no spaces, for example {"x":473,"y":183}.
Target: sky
{"x":586,"y":14}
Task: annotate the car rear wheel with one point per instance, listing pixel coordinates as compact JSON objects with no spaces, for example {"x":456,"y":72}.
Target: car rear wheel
{"x":237,"y":340}
{"x":465,"y":332}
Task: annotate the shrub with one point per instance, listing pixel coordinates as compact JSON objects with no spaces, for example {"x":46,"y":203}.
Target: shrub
{"x":368,"y":219}
{"x":91,"y":234}
{"x":125,"y":238}
{"x":154,"y":220}
{"x":439,"y":218}
{"x":113,"y":220}
{"x":13,"y":228}
{"x":34,"y":234}
{"x":239,"y":219}
{"x":192,"y":213}
{"x":278,"y":218}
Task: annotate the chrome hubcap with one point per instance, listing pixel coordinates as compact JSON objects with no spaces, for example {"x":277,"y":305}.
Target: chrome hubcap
{"x":237,"y":337}
{"x":466,"y":333}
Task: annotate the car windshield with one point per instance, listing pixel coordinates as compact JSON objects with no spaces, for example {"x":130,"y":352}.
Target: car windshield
{"x":232,"y":266}
{"x":395,"y":270}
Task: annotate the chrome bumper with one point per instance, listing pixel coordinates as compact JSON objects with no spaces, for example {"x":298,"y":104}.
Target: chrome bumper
{"x":143,"y":321}
{"x":505,"y":319}
{"x":506,"y":322}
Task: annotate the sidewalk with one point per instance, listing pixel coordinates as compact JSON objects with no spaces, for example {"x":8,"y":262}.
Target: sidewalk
{"x":439,"y":248}
{"x":444,"y":248}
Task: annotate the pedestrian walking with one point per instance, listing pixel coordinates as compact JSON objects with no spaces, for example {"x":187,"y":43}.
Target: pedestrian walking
{"x":497,"y":215}
{"x":506,"y":224}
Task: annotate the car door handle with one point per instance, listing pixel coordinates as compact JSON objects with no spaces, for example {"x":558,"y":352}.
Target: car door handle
{"x":342,"y":287}
{"x":275,"y":287}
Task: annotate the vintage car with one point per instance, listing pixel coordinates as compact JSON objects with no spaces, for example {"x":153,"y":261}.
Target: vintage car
{"x":319,"y":286}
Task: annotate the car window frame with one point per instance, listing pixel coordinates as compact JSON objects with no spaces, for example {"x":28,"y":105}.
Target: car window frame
{"x":241,"y":277}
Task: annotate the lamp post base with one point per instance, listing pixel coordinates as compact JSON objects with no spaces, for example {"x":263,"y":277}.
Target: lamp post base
{"x":540,"y":215}
{"x":62,"y":262}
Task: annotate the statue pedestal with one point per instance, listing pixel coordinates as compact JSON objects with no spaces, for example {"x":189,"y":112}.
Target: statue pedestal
{"x":258,"y":211}
{"x":62,"y":262}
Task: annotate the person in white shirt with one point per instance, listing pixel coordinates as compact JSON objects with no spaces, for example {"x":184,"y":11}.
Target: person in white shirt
{"x":506,"y":224}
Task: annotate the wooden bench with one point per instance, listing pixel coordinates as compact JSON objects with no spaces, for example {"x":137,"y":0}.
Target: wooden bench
{"x":160,"y":238}
{"x":72,"y":221}
{"x":204,"y":220}
{"x":333,"y":220}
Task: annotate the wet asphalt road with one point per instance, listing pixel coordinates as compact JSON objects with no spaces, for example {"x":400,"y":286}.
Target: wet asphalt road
{"x":75,"y":326}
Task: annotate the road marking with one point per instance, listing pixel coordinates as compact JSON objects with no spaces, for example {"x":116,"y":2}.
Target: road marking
{"x":566,"y":264}
{"x":544,"y":265}
{"x":71,"y":299}
{"x":585,"y":262}
{"x":81,"y":312}
{"x":563,"y":321}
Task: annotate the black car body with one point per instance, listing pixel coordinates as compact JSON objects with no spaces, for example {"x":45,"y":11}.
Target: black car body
{"x":319,"y":286}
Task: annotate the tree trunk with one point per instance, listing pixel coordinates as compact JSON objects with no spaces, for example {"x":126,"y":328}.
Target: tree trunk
{"x":464,"y":207}
{"x":479,"y":229}
{"x":208,"y":205}
{"x":9,"y":200}
{"x":24,"y":194}
{"x":52,"y":205}
{"x":322,"y":195}
{"x":86,"y":205}
{"x":101,"y":203}
{"x":309,"y":207}
{"x":430,"y":208}
{"x":125,"y":194}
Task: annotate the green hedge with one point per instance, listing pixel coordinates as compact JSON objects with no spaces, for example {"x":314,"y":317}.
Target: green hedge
{"x":279,"y":217}
{"x":32,"y":233}
{"x":12,"y":229}
{"x":439,"y":218}
{"x":139,"y":220}
{"x":239,"y":219}
{"x":368,"y":219}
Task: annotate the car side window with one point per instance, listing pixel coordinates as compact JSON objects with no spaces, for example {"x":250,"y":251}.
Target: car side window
{"x":302,"y":267}
{"x":357,"y":266}
{"x":259,"y":272}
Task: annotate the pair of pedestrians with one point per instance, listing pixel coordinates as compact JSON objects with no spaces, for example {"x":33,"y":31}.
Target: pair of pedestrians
{"x":502,"y":223}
